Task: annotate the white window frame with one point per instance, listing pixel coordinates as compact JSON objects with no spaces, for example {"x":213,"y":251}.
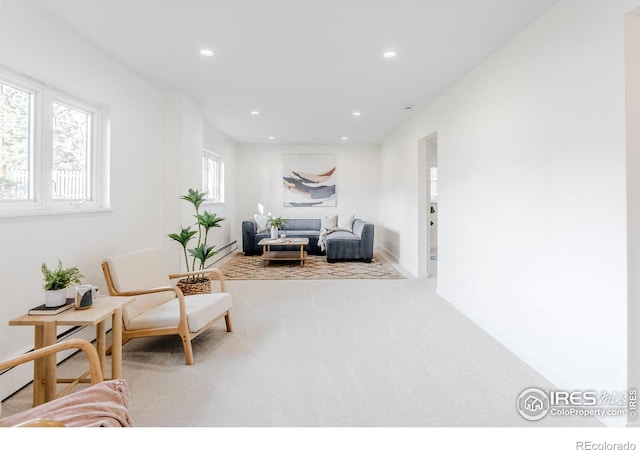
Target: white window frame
{"x":41,"y":162}
{"x":213,"y":197}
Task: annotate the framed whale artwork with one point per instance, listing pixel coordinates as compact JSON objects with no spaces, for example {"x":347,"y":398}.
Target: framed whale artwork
{"x":309,"y":180}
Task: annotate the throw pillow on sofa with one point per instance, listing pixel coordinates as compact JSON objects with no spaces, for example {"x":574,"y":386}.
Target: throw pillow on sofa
{"x":328,"y":222}
{"x":345,"y":222}
{"x":261,"y":221}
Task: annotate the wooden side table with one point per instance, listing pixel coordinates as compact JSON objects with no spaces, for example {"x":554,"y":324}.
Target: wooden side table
{"x":45,"y":333}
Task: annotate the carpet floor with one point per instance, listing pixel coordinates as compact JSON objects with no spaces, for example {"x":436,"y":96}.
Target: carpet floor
{"x":328,"y":353}
{"x":242,"y":267}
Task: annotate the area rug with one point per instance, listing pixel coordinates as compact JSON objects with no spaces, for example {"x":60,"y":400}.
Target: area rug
{"x":243,"y":267}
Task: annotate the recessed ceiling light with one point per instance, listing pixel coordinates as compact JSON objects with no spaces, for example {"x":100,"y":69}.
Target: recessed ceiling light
{"x":389,"y":54}
{"x":357,"y":113}
{"x":255,"y":113}
{"x":344,"y":138}
{"x":271,"y":138}
{"x":206,"y":52}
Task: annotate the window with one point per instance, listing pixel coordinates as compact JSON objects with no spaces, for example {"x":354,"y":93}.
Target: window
{"x":213,"y":176}
{"x":434,"y":184}
{"x":72,"y":148}
{"x":52,"y":156}
{"x":16,"y":143}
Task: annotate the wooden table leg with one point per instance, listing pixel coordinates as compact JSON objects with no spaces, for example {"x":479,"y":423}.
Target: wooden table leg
{"x":38,"y":367}
{"x":47,"y":370}
{"x":101,"y":345}
{"x":116,"y":343}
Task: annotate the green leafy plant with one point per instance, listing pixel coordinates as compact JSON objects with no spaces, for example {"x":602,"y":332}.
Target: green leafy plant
{"x":59,"y":277}
{"x":205,"y":221}
{"x":276,"y":222}
{"x":183,"y":239}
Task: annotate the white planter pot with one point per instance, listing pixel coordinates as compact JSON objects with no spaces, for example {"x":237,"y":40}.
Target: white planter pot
{"x":55,"y":298}
{"x":274,"y":233}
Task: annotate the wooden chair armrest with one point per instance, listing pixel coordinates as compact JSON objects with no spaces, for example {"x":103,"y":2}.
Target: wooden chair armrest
{"x":174,"y":289}
{"x":42,"y":423}
{"x":81,"y":344}
{"x":197,"y":272}
{"x":208,"y":272}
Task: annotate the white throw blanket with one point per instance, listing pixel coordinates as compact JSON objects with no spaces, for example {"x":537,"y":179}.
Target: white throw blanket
{"x":323,"y":237}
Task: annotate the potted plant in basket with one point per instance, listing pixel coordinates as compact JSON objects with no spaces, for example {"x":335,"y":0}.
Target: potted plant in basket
{"x":276,"y":223}
{"x":56,"y":282}
{"x":205,"y":221}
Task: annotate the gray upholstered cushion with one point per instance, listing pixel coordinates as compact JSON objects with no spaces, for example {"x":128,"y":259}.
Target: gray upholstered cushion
{"x":302,"y":224}
{"x":302,"y":233}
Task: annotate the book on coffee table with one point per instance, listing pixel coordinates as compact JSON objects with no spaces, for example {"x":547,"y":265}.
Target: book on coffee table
{"x":43,"y":310}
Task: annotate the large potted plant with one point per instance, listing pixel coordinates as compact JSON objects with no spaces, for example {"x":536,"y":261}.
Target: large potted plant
{"x":196,"y":257}
{"x":56,"y":282}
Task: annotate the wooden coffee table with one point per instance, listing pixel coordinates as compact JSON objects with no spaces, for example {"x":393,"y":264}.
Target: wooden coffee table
{"x":268,"y":254}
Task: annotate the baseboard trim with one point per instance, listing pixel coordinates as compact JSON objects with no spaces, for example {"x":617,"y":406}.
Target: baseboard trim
{"x":393,"y":259}
{"x":535,"y":363}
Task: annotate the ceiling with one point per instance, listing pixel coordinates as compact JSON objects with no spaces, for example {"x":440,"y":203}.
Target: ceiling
{"x":305,"y":65}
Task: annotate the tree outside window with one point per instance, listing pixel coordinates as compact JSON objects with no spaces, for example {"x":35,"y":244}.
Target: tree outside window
{"x":52,"y":149}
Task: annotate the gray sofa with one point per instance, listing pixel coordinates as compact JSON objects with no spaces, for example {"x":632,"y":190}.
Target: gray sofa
{"x":340,"y":245}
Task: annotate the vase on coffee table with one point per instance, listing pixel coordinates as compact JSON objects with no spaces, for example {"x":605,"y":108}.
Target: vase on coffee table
{"x":276,"y":223}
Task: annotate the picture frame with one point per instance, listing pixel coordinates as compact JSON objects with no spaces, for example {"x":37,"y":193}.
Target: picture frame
{"x":309,"y":180}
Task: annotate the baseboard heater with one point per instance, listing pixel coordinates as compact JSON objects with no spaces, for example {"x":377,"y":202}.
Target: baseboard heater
{"x":223,"y":251}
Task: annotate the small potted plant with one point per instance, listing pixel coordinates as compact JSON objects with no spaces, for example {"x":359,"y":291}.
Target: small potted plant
{"x":56,"y":282}
{"x":276,"y":223}
{"x":197,"y":284}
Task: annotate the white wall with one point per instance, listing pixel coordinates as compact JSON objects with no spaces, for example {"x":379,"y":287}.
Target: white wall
{"x":155,"y":153}
{"x":531,"y":154}
{"x":632,"y":51}
{"x":38,"y":47}
{"x":186,"y":134}
{"x":260,"y":171}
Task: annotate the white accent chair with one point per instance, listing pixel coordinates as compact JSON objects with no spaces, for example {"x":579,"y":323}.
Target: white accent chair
{"x":160,"y":308}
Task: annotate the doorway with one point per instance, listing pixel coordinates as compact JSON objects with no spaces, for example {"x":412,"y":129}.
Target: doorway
{"x":432,"y":149}
{"x":428,"y":206}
